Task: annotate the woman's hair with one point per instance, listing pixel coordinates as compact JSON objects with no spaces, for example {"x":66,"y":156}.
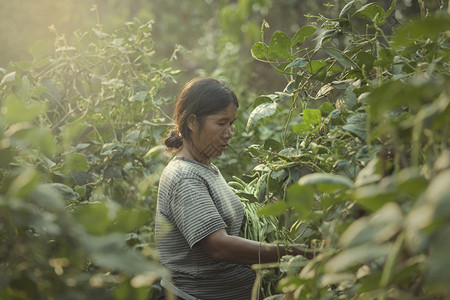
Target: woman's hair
{"x":201,"y":97}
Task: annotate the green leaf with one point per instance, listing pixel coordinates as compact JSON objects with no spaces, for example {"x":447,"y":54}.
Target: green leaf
{"x":76,"y":162}
{"x":339,"y":56}
{"x":93,"y":217}
{"x":327,"y":183}
{"x":154,"y":151}
{"x":323,"y":36}
{"x":301,"y":128}
{"x":372,"y":12}
{"x":329,"y":279}
{"x":392,"y":94}
{"x":385,"y":58}
{"x":54,"y":92}
{"x":39,"y":49}
{"x":279,"y":45}
{"x":50,"y":196}
{"x":356,"y":256}
{"x":6,"y":157}
{"x":298,"y":62}
{"x":262,"y":111}
{"x":345,"y":11}
{"x":272,"y":209}
{"x":302,"y":34}
{"x":378,"y":227}
{"x":139,"y":96}
{"x":301,"y":198}
{"x":259,"y":50}
{"x":112,"y":172}
{"x":326,"y":108}
{"x":20,"y":111}
{"x":8,"y":78}
{"x":316,"y":65}
{"x":263,"y":99}
{"x":373,"y":197}
{"x":312,"y":116}
{"x":26,"y":87}
{"x":273,"y":145}
{"x":430,"y":27}
{"x":439,"y":261}
{"x":365,"y":59}
{"x":128,"y":220}
{"x":109,"y":252}
{"x":356,"y":124}
{"x":42,"y":140}
{"x":126,"y":290}
{"x":437,"y":195}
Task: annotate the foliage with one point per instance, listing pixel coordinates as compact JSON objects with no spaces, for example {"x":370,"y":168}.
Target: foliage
{"x":358,"y":156}
{"x":79,"y":166}
{"x":352,"y":155}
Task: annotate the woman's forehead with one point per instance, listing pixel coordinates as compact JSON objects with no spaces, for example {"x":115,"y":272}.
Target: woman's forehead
{"x":229,"y":112}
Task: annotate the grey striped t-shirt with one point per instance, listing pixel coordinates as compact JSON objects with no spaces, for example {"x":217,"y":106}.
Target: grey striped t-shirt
{"x":194,"y":200}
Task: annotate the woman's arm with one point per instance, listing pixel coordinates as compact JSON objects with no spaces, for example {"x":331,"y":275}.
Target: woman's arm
{"x":238,"y":250}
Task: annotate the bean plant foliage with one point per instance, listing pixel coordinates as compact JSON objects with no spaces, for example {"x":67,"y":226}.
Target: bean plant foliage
{"x":78,"y":130}
{"x":351,"y":158}
{"x":357,"y":165}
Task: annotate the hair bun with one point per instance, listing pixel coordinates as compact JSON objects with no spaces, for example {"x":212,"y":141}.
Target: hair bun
{"x":174,"y":140}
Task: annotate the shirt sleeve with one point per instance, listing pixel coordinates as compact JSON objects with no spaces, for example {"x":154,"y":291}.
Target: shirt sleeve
{"x":194,"y":212}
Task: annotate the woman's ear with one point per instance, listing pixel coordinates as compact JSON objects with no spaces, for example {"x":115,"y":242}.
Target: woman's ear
{"x":192,"y":122}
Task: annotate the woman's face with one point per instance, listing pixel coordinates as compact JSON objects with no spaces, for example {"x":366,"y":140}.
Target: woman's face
{"x":212,"y":138}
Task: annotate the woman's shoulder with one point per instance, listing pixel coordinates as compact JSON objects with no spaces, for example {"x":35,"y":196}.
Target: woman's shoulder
{"x":180,"y":168}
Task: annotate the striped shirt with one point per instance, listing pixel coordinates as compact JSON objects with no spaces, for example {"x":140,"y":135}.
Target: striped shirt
{"x":194,"y":201}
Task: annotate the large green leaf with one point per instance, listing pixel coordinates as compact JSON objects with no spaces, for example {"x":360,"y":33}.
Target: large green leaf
{"x":63,"y":190}
{"x":324,"y":36}
{"x":339,"y":56}
{"x":298,"y":62}
{"x":259,"y":50}
{"x":357,"y":256}
{"x":378,"y":227}
{"x":346,"y":10}
{"x":279,"y":45}
{"x":372,"y":12}
{"x":273,"y":209}
{"x":302,"y":34}
{"x":262,"y":111}
{"x":430,"y":27}
{"x":76,"y":162}
{"x":373,"y":197}
{"x":263,"y":99}
{"x":392,"y":94}
{"x":94,"y":217}
{"x":356,"y":124}
{"x":301,"y":128}
{"x":366,"y":60}
{"x":109,"y":252}
{"x":39,"y":49}
{"x":438,"y":262}
{"x":325,"y":182}
{"x":8,"y":78}
{"x":20,"y":111}
{"x":128,"y":220}
{"x":312,"y":116}
{"x":301,"y":198}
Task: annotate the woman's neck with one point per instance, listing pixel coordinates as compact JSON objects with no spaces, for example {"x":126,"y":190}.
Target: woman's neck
{"x":188,"y":151}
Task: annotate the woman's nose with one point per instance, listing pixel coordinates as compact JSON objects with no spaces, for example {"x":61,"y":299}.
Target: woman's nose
{"x":228,"y":132}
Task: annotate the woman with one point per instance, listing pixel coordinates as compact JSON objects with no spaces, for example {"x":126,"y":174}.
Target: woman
{"x":198,"y":217}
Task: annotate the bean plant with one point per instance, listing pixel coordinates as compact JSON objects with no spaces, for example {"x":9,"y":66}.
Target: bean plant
{"x":78,"y":131}
{"x":357,"y":165}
